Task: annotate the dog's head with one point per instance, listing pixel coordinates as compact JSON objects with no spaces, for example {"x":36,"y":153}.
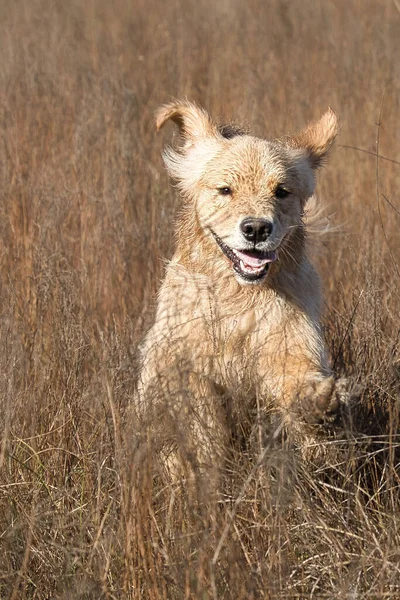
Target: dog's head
{"x":248,"y":193}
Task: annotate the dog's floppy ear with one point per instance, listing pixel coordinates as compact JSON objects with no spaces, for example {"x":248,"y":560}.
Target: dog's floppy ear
{"x":317,"y":138}
{"x":193,"y":122}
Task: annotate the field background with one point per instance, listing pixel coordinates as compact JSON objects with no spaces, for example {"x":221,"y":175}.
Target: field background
{"x":86,"y":215}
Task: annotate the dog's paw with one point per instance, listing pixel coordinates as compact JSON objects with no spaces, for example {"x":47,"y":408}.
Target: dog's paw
{"x":322,"y":401}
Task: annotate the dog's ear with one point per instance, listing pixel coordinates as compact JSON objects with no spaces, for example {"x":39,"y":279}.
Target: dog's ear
{"x":193,"y":122}
{"x":317,"y":138}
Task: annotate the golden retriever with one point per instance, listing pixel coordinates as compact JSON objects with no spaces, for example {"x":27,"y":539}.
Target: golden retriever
{"x":238,"y":314}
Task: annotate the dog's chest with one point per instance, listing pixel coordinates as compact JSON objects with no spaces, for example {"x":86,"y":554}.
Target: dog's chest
{"x":235,"y":329}
{"x":238,"y":338}
{"x":242,"y":333}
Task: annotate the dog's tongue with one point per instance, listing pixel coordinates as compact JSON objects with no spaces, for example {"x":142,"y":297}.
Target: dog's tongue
{"x":255,"y":261}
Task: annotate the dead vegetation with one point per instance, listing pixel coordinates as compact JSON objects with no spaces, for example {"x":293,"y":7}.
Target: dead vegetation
{"x":86,"y":215}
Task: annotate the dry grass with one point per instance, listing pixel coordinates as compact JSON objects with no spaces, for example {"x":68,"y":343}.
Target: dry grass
{"x":86,"y":214}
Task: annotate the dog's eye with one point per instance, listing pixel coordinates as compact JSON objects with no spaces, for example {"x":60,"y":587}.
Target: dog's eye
{"x":280,"y":192}
{"x":225,"y":191}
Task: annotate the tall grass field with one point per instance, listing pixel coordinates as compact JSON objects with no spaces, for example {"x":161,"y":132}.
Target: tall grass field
{"x":86,"y":224}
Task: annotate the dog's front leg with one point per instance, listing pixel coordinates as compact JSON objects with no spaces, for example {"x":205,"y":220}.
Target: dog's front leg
{"x":304,"y":387}
{"x":320,"y":400}
{"x":186,"y":424}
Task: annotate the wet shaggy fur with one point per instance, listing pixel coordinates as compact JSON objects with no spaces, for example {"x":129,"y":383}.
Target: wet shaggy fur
{"x":238,"y":319}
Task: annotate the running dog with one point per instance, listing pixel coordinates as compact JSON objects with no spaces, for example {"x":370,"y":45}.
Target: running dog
{"x":238,"y":315}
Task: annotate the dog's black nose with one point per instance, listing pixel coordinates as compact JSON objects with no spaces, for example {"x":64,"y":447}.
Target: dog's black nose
{"x":256,"y":230}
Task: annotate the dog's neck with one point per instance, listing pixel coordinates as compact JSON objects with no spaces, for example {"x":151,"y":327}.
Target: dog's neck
{"x":198,"y":253}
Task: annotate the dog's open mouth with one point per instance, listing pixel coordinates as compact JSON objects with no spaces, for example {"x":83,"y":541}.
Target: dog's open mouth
{"x":251,"y":265}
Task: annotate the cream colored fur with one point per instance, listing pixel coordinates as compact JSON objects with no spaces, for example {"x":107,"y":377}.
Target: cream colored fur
{"x":219,"y":343}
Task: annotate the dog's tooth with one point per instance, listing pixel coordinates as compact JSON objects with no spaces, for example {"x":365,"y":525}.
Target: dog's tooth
{"x":249,"y":268}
